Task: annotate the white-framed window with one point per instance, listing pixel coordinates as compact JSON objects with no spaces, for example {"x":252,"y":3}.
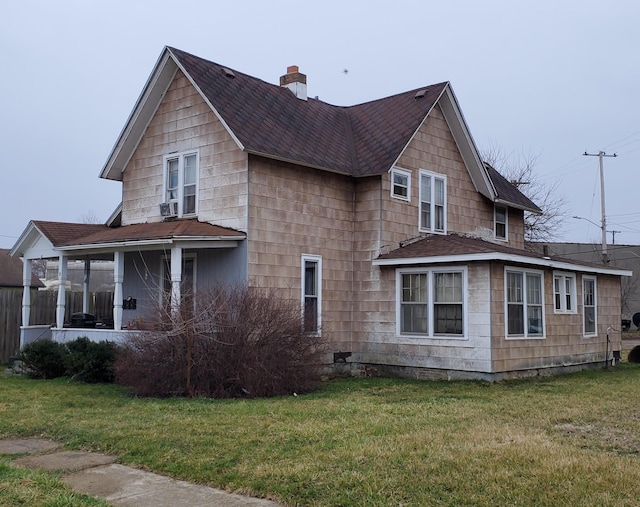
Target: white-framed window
{"x":401,"y":184}
{"x":311,"y":277}
{"x":431,"y":302}
{"x":590,"y":305}
{"x":524,"y":303}
{"x":433,"y":202}
{"x":181,"y":181}
{"x":500,"y":222}
{"x":564,"y":293}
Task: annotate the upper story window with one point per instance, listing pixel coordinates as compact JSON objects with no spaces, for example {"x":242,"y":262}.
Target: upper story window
{"x":500,"y":222}
{"x":524,"y":303}
{"x":564,"y":292}
{"x":589,"y":304}
{"x":181,"y":181}
{"x":400,"y":184}
{"x":433,"y":202}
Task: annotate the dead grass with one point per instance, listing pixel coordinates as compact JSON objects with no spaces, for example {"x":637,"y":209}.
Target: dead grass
{"x":569,"y":440}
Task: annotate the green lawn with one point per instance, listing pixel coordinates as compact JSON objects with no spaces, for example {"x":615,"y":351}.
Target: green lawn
{"x":569,"y":440}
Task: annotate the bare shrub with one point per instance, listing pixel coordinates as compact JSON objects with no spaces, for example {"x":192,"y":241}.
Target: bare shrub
{"x":230,"y":342}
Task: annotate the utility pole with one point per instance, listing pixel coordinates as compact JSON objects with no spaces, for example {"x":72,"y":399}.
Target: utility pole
{"x":601,"y":154}
{"x":613,"y":234}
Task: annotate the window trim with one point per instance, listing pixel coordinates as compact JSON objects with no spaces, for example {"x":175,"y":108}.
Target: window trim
{"x":563,"y":276}
{"x":433,"y":176}
{"x":495,"y":222}
{"x":317,"y":259}
{"x":526,"y":335}
{"x":463,"y":270}
{"x":180,"y":156}
{"x":595,"y":307}
{"x":406,"y":174}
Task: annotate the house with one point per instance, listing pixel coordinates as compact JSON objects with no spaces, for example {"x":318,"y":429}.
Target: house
{"x":11,"y":290}
{"x":405,"y":251}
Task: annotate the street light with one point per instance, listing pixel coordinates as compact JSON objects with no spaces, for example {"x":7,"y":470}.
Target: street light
{"x":604,"y":237}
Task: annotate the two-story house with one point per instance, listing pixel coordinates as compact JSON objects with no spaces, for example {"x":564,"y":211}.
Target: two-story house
{"x":405,"y":251}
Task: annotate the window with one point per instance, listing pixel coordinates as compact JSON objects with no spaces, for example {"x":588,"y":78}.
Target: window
{"x":500,"y":222}
{"x":524,"y":303}
{"x":564,"y":292}
{"x":589,"y":303}
{"x":431,"y":302}
{"x":311,"y":293}
{"x":400,"y":184}
{"x":433,"y":193}
{"x":181,"y":180}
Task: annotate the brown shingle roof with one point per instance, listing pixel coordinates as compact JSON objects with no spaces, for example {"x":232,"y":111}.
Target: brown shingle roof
{"x":451,"y":245}
{"x":508,"y":192}
{"x":64,"y":234}
{"x":267,"y":119}
{"x":11,"y":271}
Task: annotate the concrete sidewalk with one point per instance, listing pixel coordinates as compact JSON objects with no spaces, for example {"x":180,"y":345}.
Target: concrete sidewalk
{"x":98,"y":475}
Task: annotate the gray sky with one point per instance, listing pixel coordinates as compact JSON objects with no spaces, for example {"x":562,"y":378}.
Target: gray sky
{"x":551,"y":78}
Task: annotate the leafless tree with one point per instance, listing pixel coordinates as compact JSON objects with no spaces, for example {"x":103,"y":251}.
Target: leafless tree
{"x":519,"y":169}
{"x":89,"y":218}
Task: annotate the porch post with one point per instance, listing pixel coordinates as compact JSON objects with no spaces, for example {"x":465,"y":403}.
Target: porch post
{"x":118,"y":277}
{"x":176,"y":277}
{"x":62,"y":282}
{"x":85,"y":286}
{"x":26,"y":291}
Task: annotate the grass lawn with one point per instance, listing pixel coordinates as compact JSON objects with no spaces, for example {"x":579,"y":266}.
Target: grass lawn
{"x":570,"y":440}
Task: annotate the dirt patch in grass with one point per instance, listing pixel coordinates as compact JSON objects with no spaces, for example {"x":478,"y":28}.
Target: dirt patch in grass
{"x":619,"y":439}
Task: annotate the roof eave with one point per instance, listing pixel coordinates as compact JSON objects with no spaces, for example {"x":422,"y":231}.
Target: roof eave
{"x":501,"y":256}
{"x":535,"y":210}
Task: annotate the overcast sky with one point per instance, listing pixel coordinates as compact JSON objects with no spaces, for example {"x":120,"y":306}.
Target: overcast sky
{"x":549,"y":78}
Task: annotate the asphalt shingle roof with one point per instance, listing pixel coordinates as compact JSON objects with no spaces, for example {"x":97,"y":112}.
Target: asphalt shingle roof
{"x":267,"y":119}
{"x":65,"y":234}
{"x":11,"y":271}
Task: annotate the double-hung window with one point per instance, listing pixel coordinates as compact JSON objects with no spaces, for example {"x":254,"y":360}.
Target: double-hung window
{"x":564,"y":293}
{"x":181,"y":181}
{"x":433,"y":202}
{"x":311,"y":293}
{"x":431,"y":302}
{"x":589,"y":306}
{"x":401,"y":184}
{"x":500,"y":222}
{"x":524,"y":303}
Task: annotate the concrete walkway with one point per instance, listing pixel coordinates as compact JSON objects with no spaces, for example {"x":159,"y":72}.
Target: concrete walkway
{"x":98,"y":475}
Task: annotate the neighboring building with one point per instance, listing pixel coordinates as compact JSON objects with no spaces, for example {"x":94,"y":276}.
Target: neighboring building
{"x":618,"y":256}
{"x":405,"y":251}
{"x":11,"y":291}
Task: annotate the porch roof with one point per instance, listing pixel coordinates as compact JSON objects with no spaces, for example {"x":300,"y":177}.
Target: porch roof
{"x":448,"y":248}
{"x":85,"y":238}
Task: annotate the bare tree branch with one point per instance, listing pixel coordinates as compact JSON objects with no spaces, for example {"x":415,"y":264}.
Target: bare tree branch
{"x":519,"y":170}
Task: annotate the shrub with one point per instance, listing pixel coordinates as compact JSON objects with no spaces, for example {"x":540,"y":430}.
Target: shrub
{"x":80,"y":359}
{"x":91,"y":362}
{"x":239,"y":342}
{"x":43,"y":359}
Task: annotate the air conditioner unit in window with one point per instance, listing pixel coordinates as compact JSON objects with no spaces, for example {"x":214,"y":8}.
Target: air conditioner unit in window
{"x":169,"y":209}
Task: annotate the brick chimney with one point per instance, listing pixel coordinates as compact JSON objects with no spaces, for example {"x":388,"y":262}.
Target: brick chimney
{"x":295,"y":81}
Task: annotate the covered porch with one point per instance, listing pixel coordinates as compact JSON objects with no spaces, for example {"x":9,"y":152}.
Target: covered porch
{"x":150,"y":261}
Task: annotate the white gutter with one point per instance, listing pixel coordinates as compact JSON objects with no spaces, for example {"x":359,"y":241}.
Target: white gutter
{"x":499,"y":256}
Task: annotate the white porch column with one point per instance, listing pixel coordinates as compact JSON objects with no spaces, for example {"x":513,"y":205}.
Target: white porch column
{"x":118,"y":277}
{"x":85,"y":286}
{"x":176,"y":277}
{"x":62,"y":282}
{"x":26,"y":291}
